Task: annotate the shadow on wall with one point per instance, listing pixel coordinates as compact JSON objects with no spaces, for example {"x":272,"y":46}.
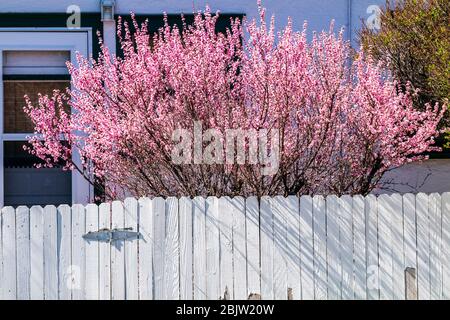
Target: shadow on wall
{"x":427,"y":176}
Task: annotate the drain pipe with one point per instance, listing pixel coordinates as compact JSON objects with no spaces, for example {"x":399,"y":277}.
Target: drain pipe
{"x":109,"y":24}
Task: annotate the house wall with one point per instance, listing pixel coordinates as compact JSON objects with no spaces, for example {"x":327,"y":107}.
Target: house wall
{"x":427,"y":176}
{"x":319,"y":13}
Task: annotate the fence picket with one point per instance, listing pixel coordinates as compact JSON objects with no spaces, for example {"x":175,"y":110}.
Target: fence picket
{"x":280,"y":273}
{"x":320,"y":250}
{"x":398,"y":271}
{"x":359,"y":248}
{"x":435,"y":246}
{"x":212,"y":249}
{"x":1,"y":258}
{"x":159,"y":231}
{"x":199,"y":235}
{"x":104,"y":222}
{"x":9,"y":253}
{"x":172,"y":252}
{"x":226,"y":246}
{"x":372,"y":264}
{"x":64,"y":240}
{"x":334,"y":266}
{"x":23,"y":252}
{"x":346,"y":241}
{"x":37,"y":253}
{"x":239,"y":249}
{"x":131,"y":250}
{"x":78,"y":252}
{"x":267,"y":249}
{"x":117,"y":254}
{"x":50,"y":253}
{"x":253,"y":259}
{"x":186,"y":273}
{"x":92,"y":252}
{"x":385,"y":247}
{"x":423,"y":247}
{"x":292,"y":250}
{"x":446,"y":245}
{"x":409,"y":232}
{"x":146,"y":243}
{"x":306,"y":247}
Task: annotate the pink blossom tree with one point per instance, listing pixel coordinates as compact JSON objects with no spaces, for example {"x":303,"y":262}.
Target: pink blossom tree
{"x":341,"y":120}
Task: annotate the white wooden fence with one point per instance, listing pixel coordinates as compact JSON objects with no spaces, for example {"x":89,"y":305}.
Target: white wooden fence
{"x":279,"y":248}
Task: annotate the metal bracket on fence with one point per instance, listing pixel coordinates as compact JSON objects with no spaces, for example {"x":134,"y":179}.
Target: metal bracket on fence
{"x":107,"y":235}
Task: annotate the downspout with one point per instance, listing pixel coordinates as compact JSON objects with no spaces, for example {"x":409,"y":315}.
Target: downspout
{"x":109,"y":24}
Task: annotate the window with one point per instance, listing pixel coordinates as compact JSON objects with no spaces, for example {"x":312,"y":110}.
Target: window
{"x":34,"y":60}
{"x":14,"y":119}
{"x":30,"y":73}
{"x":26,"y":185}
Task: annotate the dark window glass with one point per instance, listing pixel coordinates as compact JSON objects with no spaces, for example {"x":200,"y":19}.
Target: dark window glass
{"x":15,"y":119}
{"x":26,"y":185}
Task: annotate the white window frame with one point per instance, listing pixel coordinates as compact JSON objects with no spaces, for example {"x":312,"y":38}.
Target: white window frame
{"x":45,"y":39}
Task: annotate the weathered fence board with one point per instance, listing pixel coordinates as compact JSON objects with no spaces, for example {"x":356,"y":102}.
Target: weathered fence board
{"x":199,"y":255}
{"x":445,"y":245}
{"x":253,"y":259}
{"x":118,"y":254}
{"x":186,"y":272}
{"x":64,"y":237}
{"x":435,"y":217}
{"x":306,"y":248}
{"x":359,"y":248}
{"x":398,"y":270}
{"x":346,"y":247}
{"x":1,"y":256}
{"x":334,"y":266}
{"x":104,"y":222}
{"x":267,"y":250}
{"x":159,"y":231}
{"x":292,"y":249}
{"x":385,"y":212}
{"x":230,"y":248}
{"x":239,"y":249}
{"x":23,"y":252}
{"x":131,"y":250}
{"x":146,"y":242}
{"x":172,"y":254}
{"x":226,"y":247}
{"x":51,"y":253}
{"x":212,"y":249}
{"x":320,"y":249}
{"x":37,"y":253}
{"x":280,"y":275}
{"x":423,"y":246}
{"x":409,"y":233}
{"x":9,"y":253}
{"x":372,"y":264}
{"x":92,"y":267}
{"x":78,"y":270}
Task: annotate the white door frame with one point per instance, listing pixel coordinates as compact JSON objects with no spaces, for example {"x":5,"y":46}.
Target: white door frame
{"x":46,"y":39}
